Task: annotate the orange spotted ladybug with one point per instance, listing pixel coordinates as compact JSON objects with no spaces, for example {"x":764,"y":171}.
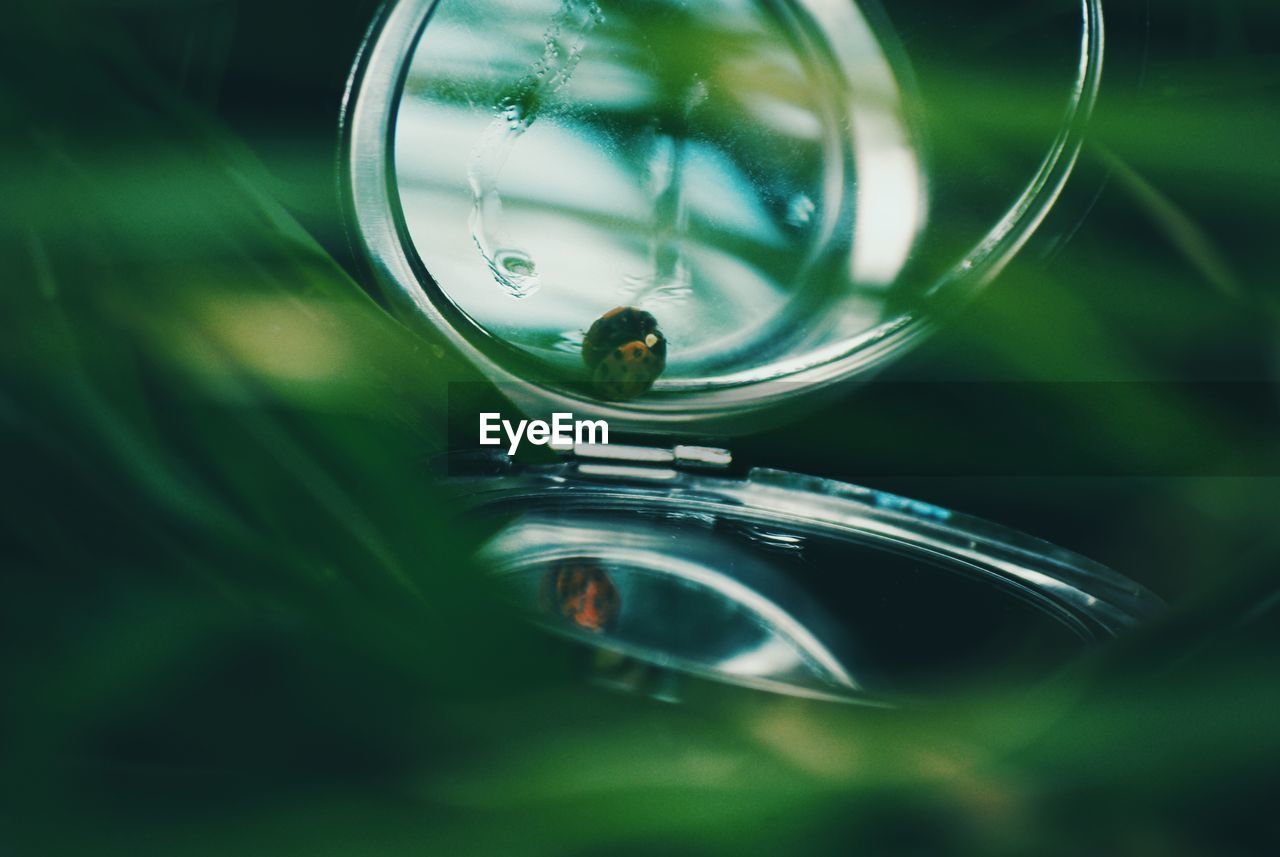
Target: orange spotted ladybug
{"x":580,"y":591}
{"x":625,"y":352}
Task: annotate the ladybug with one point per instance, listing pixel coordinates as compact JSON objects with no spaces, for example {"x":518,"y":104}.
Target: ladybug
{"x":625,"y":352}
{"x":580,"y":591}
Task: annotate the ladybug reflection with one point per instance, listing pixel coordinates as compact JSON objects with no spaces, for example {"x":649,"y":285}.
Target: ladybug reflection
{"x":580,"y":591}
{"x":625,"y":352}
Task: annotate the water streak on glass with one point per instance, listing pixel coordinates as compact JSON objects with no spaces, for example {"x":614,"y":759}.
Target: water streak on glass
{"x":563,"y":41}
{"x":668,"y":277}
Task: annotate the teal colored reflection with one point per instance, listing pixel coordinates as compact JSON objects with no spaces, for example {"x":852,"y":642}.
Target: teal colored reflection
{"x":740,"y":169}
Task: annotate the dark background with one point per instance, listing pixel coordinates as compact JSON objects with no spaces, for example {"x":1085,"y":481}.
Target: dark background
{"x":236,"y":618}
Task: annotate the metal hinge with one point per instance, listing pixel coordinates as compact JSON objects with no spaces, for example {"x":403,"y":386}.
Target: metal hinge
{"x":650,"y":463}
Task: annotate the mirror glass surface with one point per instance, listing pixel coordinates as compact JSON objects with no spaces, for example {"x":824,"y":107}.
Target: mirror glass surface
{"x":798,"y":610}
{"x":774,"y":182}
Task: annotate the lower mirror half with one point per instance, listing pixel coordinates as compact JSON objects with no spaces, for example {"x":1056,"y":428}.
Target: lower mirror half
{"x":786,"y":609}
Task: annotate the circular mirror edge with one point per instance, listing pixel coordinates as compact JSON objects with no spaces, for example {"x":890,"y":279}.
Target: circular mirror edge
{"x":378,"y":235}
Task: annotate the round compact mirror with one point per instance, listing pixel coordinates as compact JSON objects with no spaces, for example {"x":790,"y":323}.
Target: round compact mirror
{"x":673,"y":215}
{"x":652,"y":210}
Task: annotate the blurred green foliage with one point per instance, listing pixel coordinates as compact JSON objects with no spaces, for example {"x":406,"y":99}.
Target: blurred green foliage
{"x":237,"y":617}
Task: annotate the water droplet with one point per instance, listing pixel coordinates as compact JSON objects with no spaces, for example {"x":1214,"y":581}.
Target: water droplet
{"x":516,"y":270}
{"x":800,"y":210}
{"x":697,"y":93}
